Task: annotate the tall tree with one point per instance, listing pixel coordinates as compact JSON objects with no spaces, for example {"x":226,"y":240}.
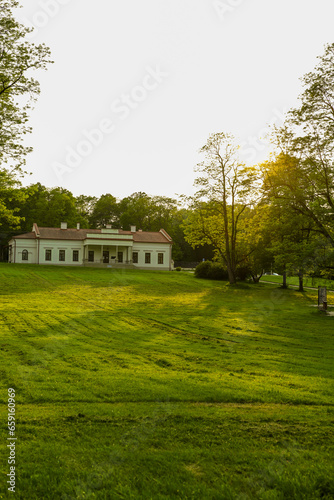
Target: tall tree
{"x":85,"y":206}
{"x":136,"y":209}
{"x":18,"y":58}
{"x":302,"y":173}
{"x":11,"y":198}
{"x":105,"y":211}
{"x":226,"y":189}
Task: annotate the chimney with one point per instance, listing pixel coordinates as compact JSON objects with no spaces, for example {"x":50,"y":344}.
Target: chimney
{"x":133,"y":229}
{"x":108,"y":226}
{"x":63,"y":225}
{"x":35,"y":229}
{"x":78,"y":226}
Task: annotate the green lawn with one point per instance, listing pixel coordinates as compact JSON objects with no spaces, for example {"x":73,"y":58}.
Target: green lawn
{"x":157,"y":385}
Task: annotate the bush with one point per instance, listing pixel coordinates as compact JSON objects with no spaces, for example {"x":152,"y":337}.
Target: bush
{"x":211,"y":270}
{"x":178,"y":269}
{"x":203,"y":269}
{"x":218,"y":272}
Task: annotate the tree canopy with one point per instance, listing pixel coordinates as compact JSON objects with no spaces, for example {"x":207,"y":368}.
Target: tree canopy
{"x":18,"y":59}
{"x":302,"y":173}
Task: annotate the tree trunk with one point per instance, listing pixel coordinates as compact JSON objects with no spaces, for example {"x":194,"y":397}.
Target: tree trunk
{"x":284,"y":285}
{"x":301,"y":281}
{"x":231,"y":275}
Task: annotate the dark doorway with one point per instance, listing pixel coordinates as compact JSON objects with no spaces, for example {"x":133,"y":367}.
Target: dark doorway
{"x":105,"y":256}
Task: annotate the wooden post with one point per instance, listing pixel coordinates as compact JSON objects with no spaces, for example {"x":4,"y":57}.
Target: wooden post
{"x":322,"y":297}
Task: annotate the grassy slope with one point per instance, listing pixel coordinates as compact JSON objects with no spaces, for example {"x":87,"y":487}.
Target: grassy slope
{"x":140,"y":385}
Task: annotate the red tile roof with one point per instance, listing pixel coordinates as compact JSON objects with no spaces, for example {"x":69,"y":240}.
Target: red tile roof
{"x":52,"y":233}
{"x":150,"y":237}
{"x":26,"y":236}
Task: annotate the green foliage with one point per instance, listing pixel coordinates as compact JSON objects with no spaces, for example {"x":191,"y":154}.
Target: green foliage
{"x":11,"y":196}
{"x":202,"y":270}
{"x":211,"y":270}
{"x":49,"y":207}
{"x":18,"y":58}
{"x":85,"y":206}
{"x":178,"y":269}
{"x":18,"y":91}
{"x":218,"y":272}
{"x":105,"y":211}
{"x":302,"y":174}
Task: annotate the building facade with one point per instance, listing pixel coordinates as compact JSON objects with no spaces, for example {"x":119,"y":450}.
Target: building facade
{"x":105,"y":247}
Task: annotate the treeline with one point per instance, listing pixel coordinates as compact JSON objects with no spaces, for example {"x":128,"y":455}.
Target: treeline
{"x":48,"y":207}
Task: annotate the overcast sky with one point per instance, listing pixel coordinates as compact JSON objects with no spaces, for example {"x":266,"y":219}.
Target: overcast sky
{"x":139,"y":85}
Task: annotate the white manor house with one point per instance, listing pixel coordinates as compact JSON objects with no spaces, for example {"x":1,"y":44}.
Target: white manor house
{"x":105,"y":247}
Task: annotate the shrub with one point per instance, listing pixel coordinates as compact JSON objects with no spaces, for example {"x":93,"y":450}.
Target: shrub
{"x":211,"y":270}
{"x":203,"y":269}
{"x":178,"y":269}
{"x":217,"y":272}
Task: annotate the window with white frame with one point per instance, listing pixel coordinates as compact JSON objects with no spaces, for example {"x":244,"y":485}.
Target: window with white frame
{"x":24,"y":254}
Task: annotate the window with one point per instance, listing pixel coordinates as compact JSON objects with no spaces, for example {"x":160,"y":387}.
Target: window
{"x":61,"y":255}
{"x":120,"y":257}
{"x":147,"y":258}
{"x":90,"y":255}
{"x":75,"y":255}
{"x":160,"y":258}
{"x":24,"y":254}
{"x":48,"y":254}
{"x":135,"y":257}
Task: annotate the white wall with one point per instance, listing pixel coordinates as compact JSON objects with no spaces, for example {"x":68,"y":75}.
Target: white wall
{"x":21,"y":245}
{"x":154,"y":249}
{"x":55,"y":246}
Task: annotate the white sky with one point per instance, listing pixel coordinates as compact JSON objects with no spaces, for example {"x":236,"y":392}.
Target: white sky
{"x":229,"y":65}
